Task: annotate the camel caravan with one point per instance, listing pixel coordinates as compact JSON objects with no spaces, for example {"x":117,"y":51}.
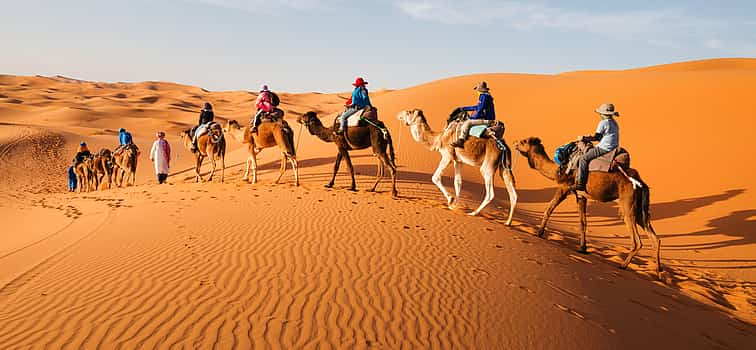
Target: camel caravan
{"x":600,"y":172}
{"x":89,"y":171}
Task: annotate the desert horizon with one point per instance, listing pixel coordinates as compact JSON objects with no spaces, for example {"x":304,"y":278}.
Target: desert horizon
{"x":235,"y":264}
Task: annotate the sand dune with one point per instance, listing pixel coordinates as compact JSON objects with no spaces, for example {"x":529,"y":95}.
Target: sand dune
{"x":236,"y":265}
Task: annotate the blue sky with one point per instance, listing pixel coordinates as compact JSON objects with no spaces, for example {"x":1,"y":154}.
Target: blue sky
{"x":321,"y":45}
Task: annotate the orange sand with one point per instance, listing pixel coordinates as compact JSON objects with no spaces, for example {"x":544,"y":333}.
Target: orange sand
{"x":276,"y":266}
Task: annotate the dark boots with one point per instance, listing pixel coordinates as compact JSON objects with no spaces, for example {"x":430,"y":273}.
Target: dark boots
{"x":459,"y":143}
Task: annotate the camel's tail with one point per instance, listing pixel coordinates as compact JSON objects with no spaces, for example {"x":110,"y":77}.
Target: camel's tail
{"x":289,"y":135}
{"x":390,"y":142}
{"x":641,"y":203}
{"x":505,"y":163}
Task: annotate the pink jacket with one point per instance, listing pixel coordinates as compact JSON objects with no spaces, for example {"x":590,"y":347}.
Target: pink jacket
{"x":264,"y":102}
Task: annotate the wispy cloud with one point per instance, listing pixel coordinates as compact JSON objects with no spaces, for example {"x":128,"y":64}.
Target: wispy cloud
{"x":524,"y":16}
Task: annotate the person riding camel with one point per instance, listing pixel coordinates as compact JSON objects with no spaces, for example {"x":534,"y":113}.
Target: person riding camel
{"x":266,"y":104}
{"x":124,"y":139}
{"x":359,"y":100}
{"x":607,"y":133}
{"x":484,"y":113}
{"x":206,"y":116}
{"x":82,"y":153}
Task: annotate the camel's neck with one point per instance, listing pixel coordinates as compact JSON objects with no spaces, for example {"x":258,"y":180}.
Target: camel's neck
{"x":541,"y":162}
{"x":315,"y":127}
{"x":237,"y":134}
{"x":187,"y":141}
{"x":423,"y":134}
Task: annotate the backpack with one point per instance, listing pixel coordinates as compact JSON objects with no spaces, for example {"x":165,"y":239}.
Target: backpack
{"x":274,"y":99}
{"x":563,"y":152}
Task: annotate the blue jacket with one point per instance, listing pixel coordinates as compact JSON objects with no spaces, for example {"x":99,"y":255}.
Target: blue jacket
{"x":124,"y":138}
{"x":360,"y":98}
{"x":484,"y":109}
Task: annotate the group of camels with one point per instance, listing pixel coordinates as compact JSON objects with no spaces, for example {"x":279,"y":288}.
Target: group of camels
{"x":491,"y":155}
{"x":119,"y":167}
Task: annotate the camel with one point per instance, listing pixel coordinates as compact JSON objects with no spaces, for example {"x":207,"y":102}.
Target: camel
{"x":357,"y":138}
{"x":211,"y":144}
{"x":126,"y":165}
{"x":483,"y":153}
{"x":633,"y":198}
{"x":268,"y":135}
{"x":103,"y":164}
{"x":85,"y":176}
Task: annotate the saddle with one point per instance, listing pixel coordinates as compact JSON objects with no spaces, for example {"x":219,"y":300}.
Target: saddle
{"x":494,"y":130}
{"x":199,"y":130}
{"x":271,"y":117}
{"x":356,"y":119}
{"x":607,"y":162}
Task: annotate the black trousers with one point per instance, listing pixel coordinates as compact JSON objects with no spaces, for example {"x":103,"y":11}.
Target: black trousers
{"x":582,"y":174}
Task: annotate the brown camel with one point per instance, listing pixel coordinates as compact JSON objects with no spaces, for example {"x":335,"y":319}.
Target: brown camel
{"x":211,"y":144}
{"x":478,"y":152}
{"x":103,"y":164}
{"x":268,"y":135}
{"x":357,"y":138}
{"x":601,"y":186}
{"x":126,"y":165}
{"x":85,"y":176}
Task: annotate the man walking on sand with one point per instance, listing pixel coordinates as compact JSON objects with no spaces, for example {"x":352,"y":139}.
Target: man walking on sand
{"x":160,"y":154}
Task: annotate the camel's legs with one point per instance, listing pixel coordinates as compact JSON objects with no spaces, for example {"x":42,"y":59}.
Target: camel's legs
{"x":392,"y":169}
{"x":246,"y":170}
{"x":348,"y":160}
{"x":197,"y":168}
{"x":509,"y":183}
{"x":254,"y":166}
{"x":295,"y":166}
{"x":656,"y":243}
{"x":443,"y":164}
{"x":559,"y":196}
{"x":582,"y":203}
{"x":378,"y":173}
{"x":283,"y":167}
{"x":336,"y":164}
{"x":637,"y":244}
{"x":223,"y":168}
{"x":212,"y":163}
{"x":488,"y":175}
{"x":457,"y":181}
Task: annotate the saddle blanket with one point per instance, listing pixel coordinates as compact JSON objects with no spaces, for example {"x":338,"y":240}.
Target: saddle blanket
{"x":603,"y":163}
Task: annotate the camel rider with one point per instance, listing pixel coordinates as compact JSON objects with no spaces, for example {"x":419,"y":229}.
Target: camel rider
{"x":206,"y":116}
{"x":484,"y":113}
{"x":82,"y":153}
{"x":607,"y":133}
{"x":264,"y":105}
{"x":359,"y":100}
{"x":124,"y":139}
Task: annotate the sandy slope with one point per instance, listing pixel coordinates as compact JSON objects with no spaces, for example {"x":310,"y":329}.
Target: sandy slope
{"x":234,"y":265}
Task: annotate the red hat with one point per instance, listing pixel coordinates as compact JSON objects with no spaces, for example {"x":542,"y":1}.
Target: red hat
{"x":360,"y":82}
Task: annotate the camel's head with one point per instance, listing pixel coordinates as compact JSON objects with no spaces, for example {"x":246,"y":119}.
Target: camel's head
{"x":307,"y":118}
{"x":232,"y":124}
{"x":410,"y":116}
{"x":526,"y":145}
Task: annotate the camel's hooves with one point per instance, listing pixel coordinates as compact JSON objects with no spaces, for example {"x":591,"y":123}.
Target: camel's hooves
{"x":353,"y":189}
{"x":328,"y":186}
{"x":582,"y":250}
{"x":624,"y":266}
{"x":472,"y":213}
{"x":540,"y":233}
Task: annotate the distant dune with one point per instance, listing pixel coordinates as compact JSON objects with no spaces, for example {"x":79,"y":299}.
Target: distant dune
{"x":237,"y":265}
